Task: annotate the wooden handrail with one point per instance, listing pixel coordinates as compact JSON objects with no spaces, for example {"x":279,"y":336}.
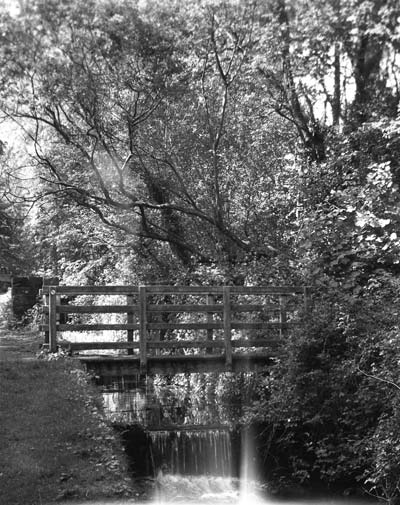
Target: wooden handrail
{"x":221,"y":307}
{"x":160,"y":289}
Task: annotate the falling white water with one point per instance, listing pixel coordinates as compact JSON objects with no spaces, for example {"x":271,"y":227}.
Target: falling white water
{"x":210,"y":459}
{"x":203,"y":452}
{"x":249,"y":489}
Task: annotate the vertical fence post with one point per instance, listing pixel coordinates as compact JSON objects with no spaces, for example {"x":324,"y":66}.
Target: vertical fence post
{"x":129,"y":320}
{"x":143,"y":329}
{"x":45,"y":317}
{"x":282,"y":316}
{"x":210,"y":319}
{"x":227,"y":327}
{"x":52,"y":319}
{"x":46,"y":283}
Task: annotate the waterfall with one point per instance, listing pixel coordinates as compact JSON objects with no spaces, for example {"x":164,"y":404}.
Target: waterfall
{"x":192,"y":452}
{"x":177,"y":433}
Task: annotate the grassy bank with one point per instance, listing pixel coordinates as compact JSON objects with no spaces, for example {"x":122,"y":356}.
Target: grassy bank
{"x":55,"y":444}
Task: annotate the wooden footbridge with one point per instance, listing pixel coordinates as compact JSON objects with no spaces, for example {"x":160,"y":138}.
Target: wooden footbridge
{"x":170,"y":329}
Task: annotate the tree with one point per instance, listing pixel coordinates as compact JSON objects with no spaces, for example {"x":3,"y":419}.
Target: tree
{"x":14,"y":249}
{"x":147,"y":136}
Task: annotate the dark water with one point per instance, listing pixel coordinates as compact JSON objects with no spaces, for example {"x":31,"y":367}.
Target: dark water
{"x":182,"y":433}
{"x":182,"y":425}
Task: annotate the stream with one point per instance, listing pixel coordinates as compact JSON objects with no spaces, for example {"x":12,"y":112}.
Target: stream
{"x":182,"y":433}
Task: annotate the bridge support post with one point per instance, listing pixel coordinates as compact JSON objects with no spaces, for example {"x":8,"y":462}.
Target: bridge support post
{"x":210,"y":319}
{"x":143,"y":329}
{"x":45,"y":319}
{"x":227,"y":327}
{"x":129,"y":320}
{"x":52,"y":319}
{"x":47,"y":281}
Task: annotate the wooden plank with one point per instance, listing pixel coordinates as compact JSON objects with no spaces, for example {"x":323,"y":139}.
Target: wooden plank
{"x":130,"y":318}
{"x":182,"y":344}
{"x":215,"y":344}
{"x":266,"y":290}
{"x":250,"y":307}
{"x":245,"y":290}
{"x":52,"y":320}
{"x":261,"y":325}
{"x":96,"y":327}
{"x":190,"y":290}
{"x":81,"y":346}
{"x":129,"y":365}
{"x":227,"y":327}
{"x":210,"y":319}
{"x":47,"y":281}
{"x":95,"y":290}
{"x":185,"y":308}
{"x":122,"y":358}
{"x":121,"y":309}
{"x":169,"y":326}
{"x":258,"y":342}
{"x":45,"y":319}
{"x":143,"y":328}
{"x":185,"y":326}
{"x":97,"y":309}
{"x":170,"y":344}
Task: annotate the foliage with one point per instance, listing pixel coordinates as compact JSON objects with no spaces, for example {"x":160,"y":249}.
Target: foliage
{"x":230,"y":142}
{"x":331,"y":403}
{"x":14,"y":248}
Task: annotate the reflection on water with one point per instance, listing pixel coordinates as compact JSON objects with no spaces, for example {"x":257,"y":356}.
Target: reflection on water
{"x":193,"y":399}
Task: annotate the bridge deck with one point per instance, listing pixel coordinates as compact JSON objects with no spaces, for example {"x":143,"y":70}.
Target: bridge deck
{"x":129,"y":365}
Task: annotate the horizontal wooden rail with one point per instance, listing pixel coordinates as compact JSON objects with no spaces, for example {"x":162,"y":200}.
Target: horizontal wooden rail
{"x":123,"y":309}
{"x":168,"y":344}
{"x":215,"y":310}
{"x":167,"y":326}
{"x":163,"y":290}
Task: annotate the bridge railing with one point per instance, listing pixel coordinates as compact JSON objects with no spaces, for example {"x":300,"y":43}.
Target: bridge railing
{"x":163,"y":319}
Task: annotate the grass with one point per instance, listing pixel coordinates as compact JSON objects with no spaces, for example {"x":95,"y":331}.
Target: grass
{"x":54,"y":443}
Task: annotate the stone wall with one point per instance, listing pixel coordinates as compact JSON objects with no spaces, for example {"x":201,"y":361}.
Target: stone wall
{"x":25,"y":294}
{"x":5,"y":282}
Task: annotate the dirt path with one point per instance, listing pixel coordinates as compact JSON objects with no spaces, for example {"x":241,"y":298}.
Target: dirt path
{"x":19,"y":345}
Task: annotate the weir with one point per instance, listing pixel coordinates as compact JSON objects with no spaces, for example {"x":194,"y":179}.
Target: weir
{"x":179,"y":432}
{"x":193,"y":452}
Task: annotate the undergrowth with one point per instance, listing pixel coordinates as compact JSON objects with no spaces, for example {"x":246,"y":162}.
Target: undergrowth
{"x":55,"y":444}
